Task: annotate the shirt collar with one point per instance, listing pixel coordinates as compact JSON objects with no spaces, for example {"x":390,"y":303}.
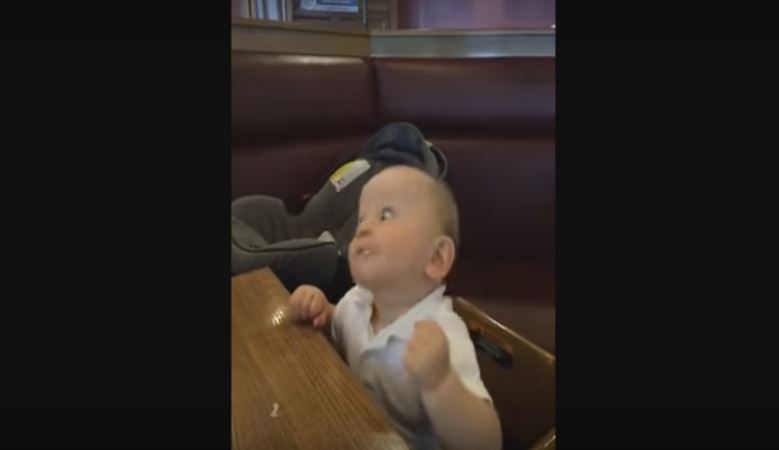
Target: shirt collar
{"x":403,"y":326}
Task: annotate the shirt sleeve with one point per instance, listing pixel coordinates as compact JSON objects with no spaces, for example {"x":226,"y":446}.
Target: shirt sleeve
{"x":337,"y":324}
{"x":462,"y":356}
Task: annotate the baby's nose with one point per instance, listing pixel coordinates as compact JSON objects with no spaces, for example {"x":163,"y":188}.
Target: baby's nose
{"x":363,"y":228}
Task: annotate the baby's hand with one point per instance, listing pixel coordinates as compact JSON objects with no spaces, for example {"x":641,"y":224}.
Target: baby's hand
{"x":427,"y":354}
{"x":308,"y":303}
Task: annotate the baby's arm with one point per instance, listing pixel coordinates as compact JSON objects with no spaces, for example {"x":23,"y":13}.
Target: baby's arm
{"x":461,"y":419}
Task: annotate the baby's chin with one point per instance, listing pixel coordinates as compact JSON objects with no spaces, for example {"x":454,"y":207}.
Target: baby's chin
{"x":371,"y":279}
{"x":367,"y":281}
{"x":380,"y":281}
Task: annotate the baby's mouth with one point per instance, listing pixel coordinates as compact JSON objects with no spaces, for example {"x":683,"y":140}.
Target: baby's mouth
{"x":362,"y":251}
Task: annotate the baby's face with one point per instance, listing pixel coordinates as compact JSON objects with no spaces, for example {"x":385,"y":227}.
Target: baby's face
{"x":396,"y":229}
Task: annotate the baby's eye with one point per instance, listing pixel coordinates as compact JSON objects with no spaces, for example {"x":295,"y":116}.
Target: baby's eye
{"x":387,"y":213}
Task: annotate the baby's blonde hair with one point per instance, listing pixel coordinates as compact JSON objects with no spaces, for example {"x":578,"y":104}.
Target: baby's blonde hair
{"x":446,"y":212}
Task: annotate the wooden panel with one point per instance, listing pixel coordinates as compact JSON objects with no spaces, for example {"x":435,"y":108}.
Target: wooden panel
{"x":320,"y":404}
{"x":288,"y":38}
{"x":519,"y":375}
{"x":312,"y":39}
{"x":462,"y":44}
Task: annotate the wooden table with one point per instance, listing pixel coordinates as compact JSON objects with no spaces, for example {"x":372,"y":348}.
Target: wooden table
{"x":321,"y":405}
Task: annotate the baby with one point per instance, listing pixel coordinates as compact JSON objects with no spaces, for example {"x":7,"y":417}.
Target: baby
{"x":395,"y":328}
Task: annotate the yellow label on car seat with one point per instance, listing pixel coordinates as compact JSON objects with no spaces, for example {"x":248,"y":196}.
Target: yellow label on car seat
{"x":348,"y":173}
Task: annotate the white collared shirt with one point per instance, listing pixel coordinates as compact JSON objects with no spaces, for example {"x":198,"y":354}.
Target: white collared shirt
{"x":377,"y":360}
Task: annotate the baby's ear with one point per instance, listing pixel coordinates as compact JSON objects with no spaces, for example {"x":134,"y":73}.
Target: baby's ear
{"x":441,"y":258}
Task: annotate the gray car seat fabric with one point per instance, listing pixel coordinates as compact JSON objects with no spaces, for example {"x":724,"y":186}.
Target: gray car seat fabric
{"x":265,"y":235}
{"x":312,"y":247}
